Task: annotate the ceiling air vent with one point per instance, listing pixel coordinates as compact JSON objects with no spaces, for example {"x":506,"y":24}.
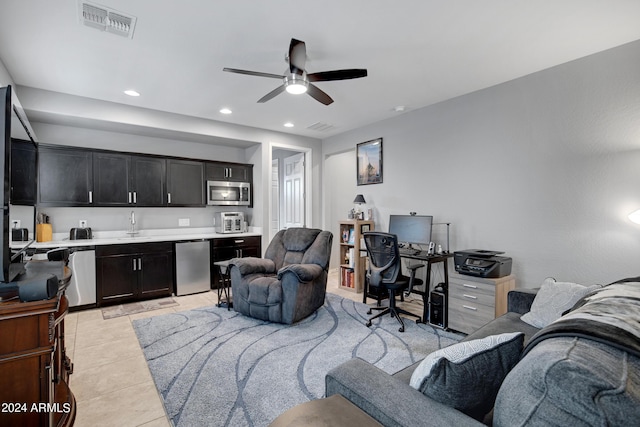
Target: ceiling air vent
{"x":105,"y":19}
{"x":320,"y":127}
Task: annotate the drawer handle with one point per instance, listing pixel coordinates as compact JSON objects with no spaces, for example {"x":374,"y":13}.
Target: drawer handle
{"x":469,"y":286}
{"x":238,"y":241}
{"x":469,"y":296}
{"x":470,"y":308}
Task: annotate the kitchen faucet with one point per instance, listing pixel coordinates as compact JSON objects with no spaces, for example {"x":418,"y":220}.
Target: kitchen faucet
{"x":132,"y":222}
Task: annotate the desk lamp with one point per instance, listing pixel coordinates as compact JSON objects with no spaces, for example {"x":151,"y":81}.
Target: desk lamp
{"x":359,"y":201}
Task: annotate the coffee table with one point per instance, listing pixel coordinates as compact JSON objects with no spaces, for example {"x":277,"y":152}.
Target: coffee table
{"x":328,"y":412}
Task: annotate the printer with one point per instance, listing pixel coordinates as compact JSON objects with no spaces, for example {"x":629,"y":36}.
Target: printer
{"x":482,"y":263}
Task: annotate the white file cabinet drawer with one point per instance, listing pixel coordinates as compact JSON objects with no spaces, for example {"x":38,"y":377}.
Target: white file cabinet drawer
{"x":475,"y":301}
{"x":473,"y":292}
{"x":468,"y":317}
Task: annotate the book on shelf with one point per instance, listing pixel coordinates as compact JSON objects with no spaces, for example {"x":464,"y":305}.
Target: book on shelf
{"x":347,"y":278}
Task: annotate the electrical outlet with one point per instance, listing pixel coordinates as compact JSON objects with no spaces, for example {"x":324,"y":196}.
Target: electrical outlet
{"x":16,"y":223}
{"x":184,"y":222}
{"x":83,"y":223}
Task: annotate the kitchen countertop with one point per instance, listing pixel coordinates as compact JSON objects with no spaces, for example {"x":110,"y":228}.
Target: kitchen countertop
{"x":61,"y":240}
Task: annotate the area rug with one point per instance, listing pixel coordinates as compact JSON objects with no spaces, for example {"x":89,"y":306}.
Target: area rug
{"x":137,"y":307}
{"x":215,"y":367}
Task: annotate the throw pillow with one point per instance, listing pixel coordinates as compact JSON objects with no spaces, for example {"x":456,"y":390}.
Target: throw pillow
{"x":552,"y":300}
{"x":468,"y":375}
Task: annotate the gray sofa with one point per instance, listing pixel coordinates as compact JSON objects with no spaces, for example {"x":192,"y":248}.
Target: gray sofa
{"x":562,"y":380}
{"x":289,"y":283}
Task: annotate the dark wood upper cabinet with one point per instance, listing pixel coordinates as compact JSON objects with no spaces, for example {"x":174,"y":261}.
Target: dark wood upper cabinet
{"x":111,"y":179}
{"x":148,"y":180}
{"x":23,"y":173}
{"x":219,"y":171}
{"x":65,"y":176}
{"x":125,"y":180}
{"x":185,"y":183}
{"x":71,"y":176}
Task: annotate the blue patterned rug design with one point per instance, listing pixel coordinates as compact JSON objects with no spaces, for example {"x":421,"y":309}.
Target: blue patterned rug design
{"x":215,"y":367}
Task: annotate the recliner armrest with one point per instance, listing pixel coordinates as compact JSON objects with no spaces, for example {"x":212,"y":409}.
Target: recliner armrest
{"x":253,"y":265}
{"x":388,"y":399}
{"x":304,"y":272}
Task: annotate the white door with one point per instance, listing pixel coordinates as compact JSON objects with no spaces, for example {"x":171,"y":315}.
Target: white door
{"x":294,"y":191}
{"x":275,"y":198}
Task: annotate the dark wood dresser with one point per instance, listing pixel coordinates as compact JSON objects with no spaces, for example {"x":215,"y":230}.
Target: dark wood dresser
{"x":34,"y":367}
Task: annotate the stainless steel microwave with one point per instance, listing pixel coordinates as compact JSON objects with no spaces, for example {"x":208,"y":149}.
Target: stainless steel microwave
{"x":225,"y":193}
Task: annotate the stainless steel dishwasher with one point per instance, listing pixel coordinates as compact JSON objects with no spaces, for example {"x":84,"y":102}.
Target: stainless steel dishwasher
{"x":82,"y":288}
{"x":193,"y":269}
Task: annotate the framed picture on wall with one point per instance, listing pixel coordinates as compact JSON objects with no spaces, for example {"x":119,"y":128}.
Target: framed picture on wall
{"x":369,"y":162}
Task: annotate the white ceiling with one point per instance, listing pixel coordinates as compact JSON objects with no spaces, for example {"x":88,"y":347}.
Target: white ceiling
{"x":417,"y":52}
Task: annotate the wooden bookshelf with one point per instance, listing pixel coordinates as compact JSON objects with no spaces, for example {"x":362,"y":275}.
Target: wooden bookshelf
{"x":352,"y":260}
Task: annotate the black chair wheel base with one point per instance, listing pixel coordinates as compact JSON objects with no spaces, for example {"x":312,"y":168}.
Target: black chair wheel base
{"x":368,"y":324}
{"x":401,"y":329}
{"x":369,"y":312}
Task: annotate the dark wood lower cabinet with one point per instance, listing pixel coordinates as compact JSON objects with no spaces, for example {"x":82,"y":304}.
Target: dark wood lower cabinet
{"x":133,"y":272}
{"x":225,"y":248}
{"x":34,"y":367}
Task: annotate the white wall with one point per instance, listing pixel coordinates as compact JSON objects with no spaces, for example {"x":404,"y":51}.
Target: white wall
{"x":545,"y":168}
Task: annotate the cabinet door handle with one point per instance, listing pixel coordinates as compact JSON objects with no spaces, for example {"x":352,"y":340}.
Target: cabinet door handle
{"x":135,"y":197}
{"x":469,"y":286}
{"x":470,"y":308}
{"x":139,"y":264}
{"x":134,"y":264}
{"x":169,"y":198}
{"x":129,"y":196}
{"x":90,"y":196}
{"x":230,"y":173}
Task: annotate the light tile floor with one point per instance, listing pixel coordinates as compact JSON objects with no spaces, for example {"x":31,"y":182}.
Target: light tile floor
{"x":111,"y":381}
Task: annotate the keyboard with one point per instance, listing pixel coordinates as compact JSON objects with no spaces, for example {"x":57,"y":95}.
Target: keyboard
{"x":409,"y":251}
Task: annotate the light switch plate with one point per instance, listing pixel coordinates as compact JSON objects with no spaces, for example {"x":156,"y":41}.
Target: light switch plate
{"x":83,"y":223}
{"x":184,"y":222}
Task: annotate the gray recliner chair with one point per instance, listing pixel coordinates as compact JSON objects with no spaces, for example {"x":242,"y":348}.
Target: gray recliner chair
{"x":289,"y":283}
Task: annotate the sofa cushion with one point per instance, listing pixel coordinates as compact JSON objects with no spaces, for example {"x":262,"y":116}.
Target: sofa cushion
{"x":571,"y":381}
{"x":468,"y":375}
{"x":553,"y":299}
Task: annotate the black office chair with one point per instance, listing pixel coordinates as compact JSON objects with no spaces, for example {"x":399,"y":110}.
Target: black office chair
{"x":385,"y":271}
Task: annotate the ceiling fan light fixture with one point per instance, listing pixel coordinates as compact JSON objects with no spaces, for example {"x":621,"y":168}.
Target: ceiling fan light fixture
{"x":296,"y":85}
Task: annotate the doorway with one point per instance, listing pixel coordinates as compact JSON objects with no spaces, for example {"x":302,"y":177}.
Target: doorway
{"x":290,"y":181}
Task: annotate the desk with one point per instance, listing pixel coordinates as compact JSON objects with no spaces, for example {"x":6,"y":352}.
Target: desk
{"x":430,"y":259}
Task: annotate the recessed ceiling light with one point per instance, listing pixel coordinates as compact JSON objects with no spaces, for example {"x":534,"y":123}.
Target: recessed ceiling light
{"x":226,"y":111}
{"x":288,"y":125}
{"x":399,"y":108}
{"x":131,"y":93}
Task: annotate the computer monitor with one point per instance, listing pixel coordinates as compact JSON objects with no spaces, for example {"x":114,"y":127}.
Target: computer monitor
{"x":411,"y":229}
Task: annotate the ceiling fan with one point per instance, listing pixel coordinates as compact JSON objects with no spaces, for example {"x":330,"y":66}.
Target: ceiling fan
{"x":297,"y":81}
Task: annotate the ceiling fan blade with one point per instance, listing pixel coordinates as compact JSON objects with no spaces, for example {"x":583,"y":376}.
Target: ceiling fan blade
{"x":319,"y":95}
{"x":253,"y":73}
{"x":272,"y":94}
{"x":297,"y":56}
{"x":325,"y":76}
